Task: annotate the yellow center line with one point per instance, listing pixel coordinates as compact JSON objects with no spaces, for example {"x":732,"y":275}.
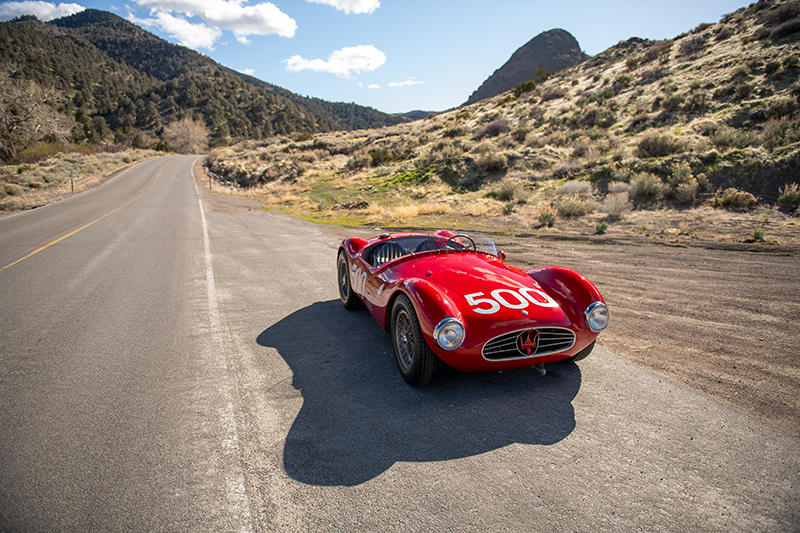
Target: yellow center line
{"x":98,"y":219}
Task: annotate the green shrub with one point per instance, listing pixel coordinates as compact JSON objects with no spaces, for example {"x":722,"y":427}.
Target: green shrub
{"x":789,"y":196}
{"x":546,"y":216}
{"x":571,"y":207}
{"x":647,"y":188}
{"x":380,"y":156}
{"x":757,"y":234}
{"x":601,"y":227}
{"x":509,"y":208}
{"x":357,"y":161}
{"x":37,"y":153}
{"x":595,"y":116}
{"x":734,"y":198}
{"x":743,"y":90}
{"x":727,"y":137}
{"x":303,"y":136}
{"x":524,"y":87}
{"x":772,"y":67}
{"x":656,"y":145}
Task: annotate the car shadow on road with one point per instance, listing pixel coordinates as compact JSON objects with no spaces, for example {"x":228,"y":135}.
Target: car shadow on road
{"x":359,"y":417}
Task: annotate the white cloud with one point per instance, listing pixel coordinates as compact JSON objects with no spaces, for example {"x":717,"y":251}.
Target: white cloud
{"x":351,"y":6}
{"x":187,"y":33}
{"x":405,"y":83}
{"x":344,"y":62}
{"x":373,"y":86}
{"x":258,"y":19}
{"x":247,"y":71}
{"x":42,"y":10}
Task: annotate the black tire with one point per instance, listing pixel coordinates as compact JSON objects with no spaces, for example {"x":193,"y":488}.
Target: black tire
{"x":346,"y":295}
{"x":583,"y":354}
{"x":415,"y":360}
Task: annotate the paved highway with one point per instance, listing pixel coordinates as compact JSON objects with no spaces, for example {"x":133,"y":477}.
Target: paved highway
{"x":171,"y":360}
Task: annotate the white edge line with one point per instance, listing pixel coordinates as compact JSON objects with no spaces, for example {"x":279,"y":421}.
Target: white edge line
{"x":238,"y":503}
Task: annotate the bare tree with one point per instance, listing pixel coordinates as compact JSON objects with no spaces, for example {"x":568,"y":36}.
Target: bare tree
{"x":187,"y":136}
{"x":28,"y":115}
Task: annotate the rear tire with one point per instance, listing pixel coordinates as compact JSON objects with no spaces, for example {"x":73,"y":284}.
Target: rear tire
{"x":346,"y":295}
{"x":415,"y":360}
{"x":582,"y":354}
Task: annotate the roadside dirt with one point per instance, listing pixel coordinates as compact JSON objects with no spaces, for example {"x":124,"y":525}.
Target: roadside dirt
{"x":722,"y":318}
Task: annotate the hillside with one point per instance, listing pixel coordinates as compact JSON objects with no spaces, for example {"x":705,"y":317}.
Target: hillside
{"x":692,"y":137}
{"x":548,"y":52}
{"x":120,"y":83}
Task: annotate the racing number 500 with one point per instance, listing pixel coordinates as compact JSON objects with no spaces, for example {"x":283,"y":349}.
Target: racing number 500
{"x":521,"y":299}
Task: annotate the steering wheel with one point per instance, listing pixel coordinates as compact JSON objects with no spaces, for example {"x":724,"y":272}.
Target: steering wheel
{"x":455,"y":245}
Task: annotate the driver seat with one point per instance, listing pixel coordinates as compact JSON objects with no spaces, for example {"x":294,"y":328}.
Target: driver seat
{"x":388,"y":251}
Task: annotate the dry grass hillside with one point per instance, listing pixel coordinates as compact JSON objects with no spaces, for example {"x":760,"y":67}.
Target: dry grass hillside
{"x":693,"y":137}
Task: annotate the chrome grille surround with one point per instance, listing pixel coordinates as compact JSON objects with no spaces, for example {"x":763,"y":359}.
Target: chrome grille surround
{"x":550,"y":340}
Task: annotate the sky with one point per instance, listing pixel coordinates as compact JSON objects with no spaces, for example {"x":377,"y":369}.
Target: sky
{"x":393,"y":55}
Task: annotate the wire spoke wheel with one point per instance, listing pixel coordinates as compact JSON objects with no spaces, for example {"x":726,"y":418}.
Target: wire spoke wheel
{"x":415,"y":360}
{"x":346,"y":295}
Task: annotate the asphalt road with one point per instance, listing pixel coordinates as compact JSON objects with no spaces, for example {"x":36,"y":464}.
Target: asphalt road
{"x":182,"y":363}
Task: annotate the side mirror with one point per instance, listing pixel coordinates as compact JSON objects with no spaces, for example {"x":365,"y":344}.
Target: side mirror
{"x":501,"y":254}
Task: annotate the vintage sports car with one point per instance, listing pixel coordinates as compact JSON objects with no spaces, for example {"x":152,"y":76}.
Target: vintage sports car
{"x":451,"y":297}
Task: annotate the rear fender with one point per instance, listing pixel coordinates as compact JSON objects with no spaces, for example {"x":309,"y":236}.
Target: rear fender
{"x":571,"y":290}
{"x":353,"y":246}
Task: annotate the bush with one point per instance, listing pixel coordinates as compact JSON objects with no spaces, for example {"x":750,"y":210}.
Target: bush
{"x":509,"y":191}
{"x":781,"y":107}
{"x":672,"y":103}
{"x":357,"y":161}
{"x":571,"y":207}
{"x":12,"y":189}
{"x":524,"y":87}
{"x":692,"y":45}
{"x":492,"y":161}
{"x":772,"y":67}
{"x":659,"y":146}
{"x":617,"y":204}
{"x":492,"y":129}
{"x":553,"y":94}
{"x":757,"y":234}
{"x":789,"y":196}
{"x":734,"y":198}
{"x":647,"y":188}
{"x":575,"y":188}
{"x":619,"y":186}
{"x":787,"y":28}
{"x":595,"y":116}
{"x":546,"y":216}
{"x":37,"y":153}
{"x":727,"y":137}
{"x":457,"y":131}
{"x":379,"y":157}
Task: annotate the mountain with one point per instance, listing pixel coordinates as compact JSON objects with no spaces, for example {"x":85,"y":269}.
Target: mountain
{"x":121,"y":83}
{"x":549,"y":51}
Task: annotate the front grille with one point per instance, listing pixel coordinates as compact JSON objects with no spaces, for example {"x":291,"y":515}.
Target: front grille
{"x":537,"y":341}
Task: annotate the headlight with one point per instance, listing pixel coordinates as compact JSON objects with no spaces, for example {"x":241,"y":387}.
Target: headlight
{"x":597,"y":316}
{"x":449,"y":334}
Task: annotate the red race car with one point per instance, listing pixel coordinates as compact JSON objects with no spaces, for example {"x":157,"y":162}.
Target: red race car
{"x":451,"y":297}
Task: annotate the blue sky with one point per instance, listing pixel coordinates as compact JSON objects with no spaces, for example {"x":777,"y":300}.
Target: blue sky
{"x":394,"y":55}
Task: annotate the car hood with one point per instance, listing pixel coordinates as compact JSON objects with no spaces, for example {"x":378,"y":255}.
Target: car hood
{"x":467,"y":274}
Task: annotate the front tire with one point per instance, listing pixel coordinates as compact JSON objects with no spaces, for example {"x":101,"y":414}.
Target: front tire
{"x":346,"y":295}
{"x":415,"y":360}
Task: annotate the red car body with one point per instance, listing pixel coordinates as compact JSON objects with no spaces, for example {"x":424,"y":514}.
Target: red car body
{"x":543,"y":310}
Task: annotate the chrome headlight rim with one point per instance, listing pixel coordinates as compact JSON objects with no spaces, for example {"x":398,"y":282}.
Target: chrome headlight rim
{"x":447,"y":324}
{"x":591,"y":311}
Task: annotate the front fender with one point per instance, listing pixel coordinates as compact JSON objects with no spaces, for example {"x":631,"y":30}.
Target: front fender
{"x":432,"y":303}
{"x":571,"y":290}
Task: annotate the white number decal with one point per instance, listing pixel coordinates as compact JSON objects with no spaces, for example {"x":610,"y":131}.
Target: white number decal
{"x":538,"y":297}
{"x":522,"y":299}
{"x":472,"y":300}
{"x":359,"y":281}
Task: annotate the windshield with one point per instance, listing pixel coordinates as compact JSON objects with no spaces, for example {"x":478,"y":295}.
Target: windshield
{"x":391,"y":249}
